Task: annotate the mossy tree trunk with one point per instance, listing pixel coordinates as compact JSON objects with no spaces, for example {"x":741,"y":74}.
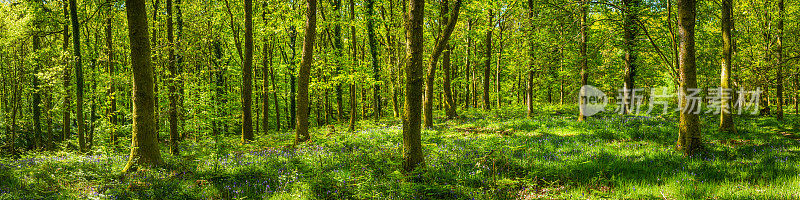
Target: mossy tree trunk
{"x":689,"y":126}
{"x":144,"y":144}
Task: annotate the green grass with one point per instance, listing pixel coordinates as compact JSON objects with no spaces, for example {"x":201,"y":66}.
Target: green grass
{"x":482,"y":155}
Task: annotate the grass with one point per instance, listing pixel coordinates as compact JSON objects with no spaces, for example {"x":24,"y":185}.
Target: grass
{"x":497,"y":154}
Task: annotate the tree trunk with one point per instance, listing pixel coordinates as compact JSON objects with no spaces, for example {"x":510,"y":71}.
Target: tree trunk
{"x":440,"y":46}
{"x":112,"y":86}
{"x":65,"y":130}
{"x":450,"y":105}
{"x":275,"y":96}
{"x":76,"y":46}
{"x":292,"y":88}
{"x":337,"y":43}
{"x":532,"y":15}
{"x":468,"y":95}
{"x":631,"y":9}
{"x":584,"y":57}
{"x":726,"y":119}
{"x":353,"y":46}
{"x":37,"y":95}
{"x":173,"y":90}
{"x":779,"y":49}
{"x":305,"y":70}
{"x":247,"y":74}
{"x":373,"y":51}
{"x":689,"y":126}
{"x":144,"y":146}
{"x":412,"y":144}
{"x":267,"y":63}
{"x":487,"y":62}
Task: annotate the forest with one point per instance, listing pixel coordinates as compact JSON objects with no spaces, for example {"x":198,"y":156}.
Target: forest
{"x":399,"y":99}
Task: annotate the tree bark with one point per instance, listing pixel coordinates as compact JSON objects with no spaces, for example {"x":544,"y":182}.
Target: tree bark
{"x":631,"y":9}
{"x":450,"y":105}
{"x":67,"y":104}
{"x":37,"y":96}
{"x":337,"y":44}
{"x":173,"y":90}
{"x":584,"y":58}
{"x":440,"y":46}
{"x":487,"y":62}
{"x":412,"y":142}
{"x":353,"y":46}
{"x":112,"y":86}
{"x":305,"y":70}
{"x":779,"y":49}
{"x":247,"y":74}
{"x":144,"y":146}
{"x":689,"y":137}
{"x":726,"y":118}
{"x":532,"y":15}
{"x":76,"y":46}
{"x":373,"y":51}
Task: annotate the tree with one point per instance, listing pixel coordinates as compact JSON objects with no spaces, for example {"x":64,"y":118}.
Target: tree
{"x":144,"y":146}
{"x":439,"y":47}
{"x":353,"y":46}
{"x":487,"y":62}
{"x":779,"y":52}
{"x":337,"y":44}
{"x":112,"y":87}
{"x":76,"y":46}
{"x":305,"y":70}
{"x":726,"y":119}
{"x":584,"y":57}
{"x":412,"y":141}
{"x":689,"y":125}
{"x":630,"y":28}
{"x":532,"y":15}
{"x":173,"y":88}
{"x":373,"y":51}
{"x":65,"y":45}
{"x":247,"y":74}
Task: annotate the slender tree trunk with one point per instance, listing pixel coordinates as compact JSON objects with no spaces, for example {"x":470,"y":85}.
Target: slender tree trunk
{"x":219,"y":126}
{"x":337,"y":43}
{"x":173,"y":90}
{"x":689,"y":137}
{"x":247,"y":74}
{"x":37,"y":95}
{"x":450,"y":105}
{"x":373,"y":51}
{"x":267,"y":63}
{"x":765,"y":111}
{"x":532,"y":16}
{"x":155,"y":59}
{"x":412,"y":144}
{"x":144,"y":145}
{"x":67,"y":104}
{"x":353,"y":46}
{"x":449,"y":23}
{"x":76,"y":46}
{"x":584,"y":57}
{"x":292,"y":88}
{"x":179,"y":76}
{"x":275,"y":96}
{"x":779,"y":49}
{"x":499,"y":71}
{"x":305,"y":70}
{"x":726,"y":119}
{"x":468,"y":95}
{"x":487,"y":62}
{"x":631,"y":30}
{"x":112,"y":86}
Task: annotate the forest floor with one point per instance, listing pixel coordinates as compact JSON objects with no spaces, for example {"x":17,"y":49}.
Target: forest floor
{"x":481,"y":155}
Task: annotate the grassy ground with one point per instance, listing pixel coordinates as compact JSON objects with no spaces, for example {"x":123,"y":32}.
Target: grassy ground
{"x":482,"y":155}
